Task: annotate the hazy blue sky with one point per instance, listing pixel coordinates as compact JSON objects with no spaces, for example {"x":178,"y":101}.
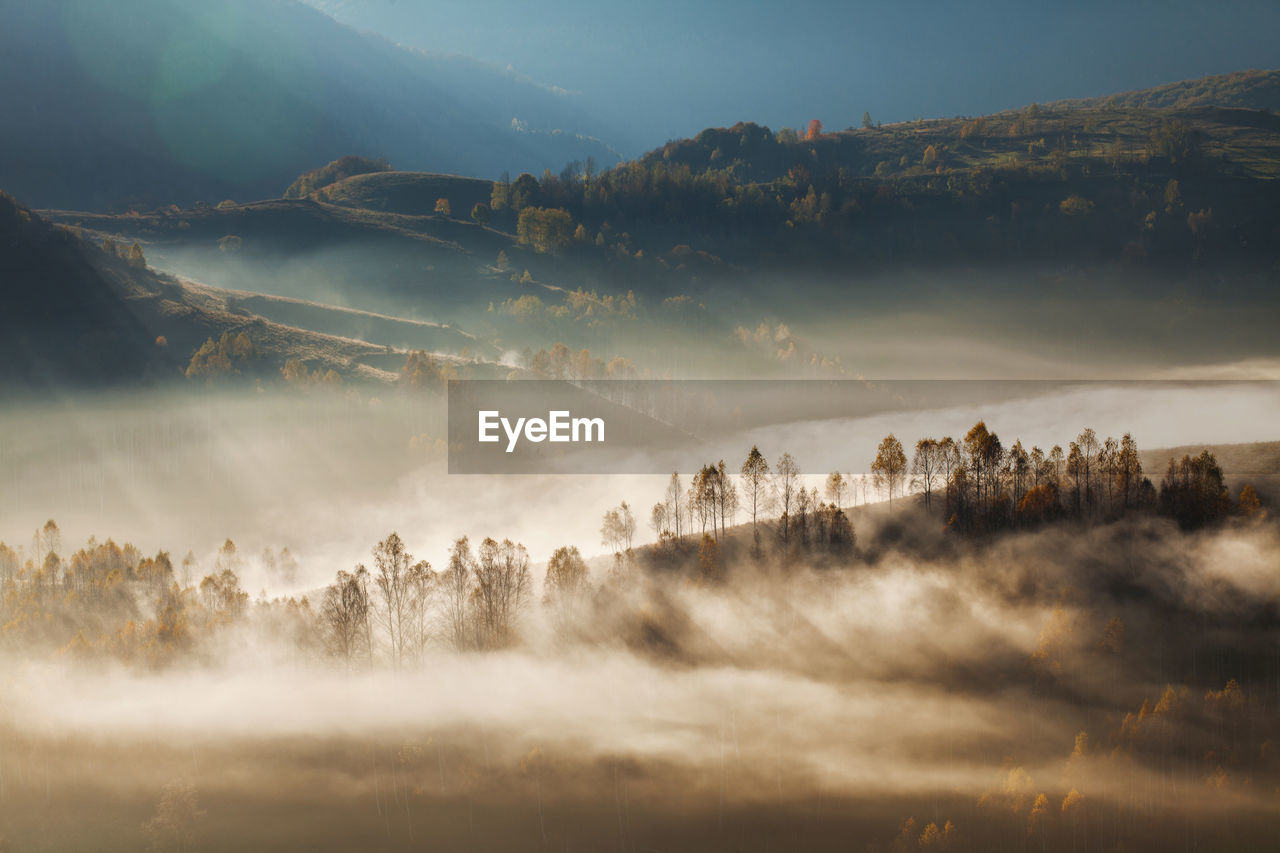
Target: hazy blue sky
{"x":664,"y":69}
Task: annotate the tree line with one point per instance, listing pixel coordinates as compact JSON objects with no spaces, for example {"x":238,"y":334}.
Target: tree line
{"x":114,"y":600}
{"x":1030,"y":184}
{"x":982,"y":485}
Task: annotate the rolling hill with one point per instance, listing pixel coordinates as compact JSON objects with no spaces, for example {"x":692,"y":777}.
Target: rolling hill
{"x":1247,"y":90}
{"x":153,"y":102}
{"x":80,"y":313}
{"x":1146,"y":186}
{"x":1165,"y":216}
{"x":407,"y":193}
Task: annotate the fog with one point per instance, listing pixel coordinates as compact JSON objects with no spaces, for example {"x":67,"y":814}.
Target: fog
{"x":943,"y":677}
{"x":328,"y":475}
{"x":1031,"y":321}
{"x":926,"y":675}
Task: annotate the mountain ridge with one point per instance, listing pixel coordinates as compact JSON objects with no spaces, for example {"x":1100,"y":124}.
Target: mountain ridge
{"x":172,"y":101}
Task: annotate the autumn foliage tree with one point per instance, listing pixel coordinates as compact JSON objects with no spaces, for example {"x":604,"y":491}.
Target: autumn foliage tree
{"x":502,"y":588}
{"x":545,"y":230}
{"x":786,"y":484}
{"x":889,"y":468}
{"x":344,"y":614}
{"x":566,"y":587}
{"x":231,"y":355}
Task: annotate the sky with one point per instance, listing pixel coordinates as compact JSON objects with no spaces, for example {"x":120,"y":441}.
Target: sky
{"x":666,"y":69}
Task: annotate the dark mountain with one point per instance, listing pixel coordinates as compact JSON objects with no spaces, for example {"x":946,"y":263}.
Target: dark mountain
{"x":152,"y":102}
{"x":69,"y":307}
{"x":676,"y":67}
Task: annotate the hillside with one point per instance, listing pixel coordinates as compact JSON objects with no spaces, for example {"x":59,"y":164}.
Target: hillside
{"x":1248,"y":90}
{"x":423,"y":267}
{"x":1257,"y":464}
{"x":1143,"y":187}
{"x":1188,"y":187}
{"x":394,"y":333}
{"x":1165,"y":217}
{"x":87,"y":314}
{"x":70,"y":310}
{"x":151,"y":102}
{"x":1185,"y":189}
{"x":407,"y":193}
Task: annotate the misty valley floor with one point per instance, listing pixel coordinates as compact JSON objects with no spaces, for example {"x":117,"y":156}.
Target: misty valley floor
{"x":935,"y":695}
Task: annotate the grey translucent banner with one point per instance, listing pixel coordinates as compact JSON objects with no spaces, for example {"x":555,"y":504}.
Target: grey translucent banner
{"x":656,"y":426}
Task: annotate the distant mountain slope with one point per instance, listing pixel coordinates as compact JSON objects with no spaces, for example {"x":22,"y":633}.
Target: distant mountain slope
{"x":152,"y":102}
{"x":1250,"y":90}
{"x":72,"y":312}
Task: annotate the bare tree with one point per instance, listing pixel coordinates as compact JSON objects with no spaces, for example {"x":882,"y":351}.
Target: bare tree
{"x":755,"y":479}
{"x":836,"y":487}
{"x":611,"y":535}
{"x":703,"y":498}
{"x":1019,"y":470}
{"x":805,"y":505}
{"x":1039,"y":472}
{"x":786,"y":476}
{"x":501,"y":590}
{"x":566,"y":587}
{"x":728,"y":497}
{"x":422,"y":584}
{"x":344,"y":615}
{"x":393,"y":563}
{"x":1056,"y":464}
{"x":456,"y":584}
{"x":926,"y":468}
{"x":626,"y":524}
{"x":675,"y":507}
{"x":659,"y":521}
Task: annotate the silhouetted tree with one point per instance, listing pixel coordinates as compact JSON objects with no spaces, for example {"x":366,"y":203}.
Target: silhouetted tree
{"x":1194,"y":491}
{"x":755,"y":479}
{"x":890,"y":466}
{"x":926,"y":467}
